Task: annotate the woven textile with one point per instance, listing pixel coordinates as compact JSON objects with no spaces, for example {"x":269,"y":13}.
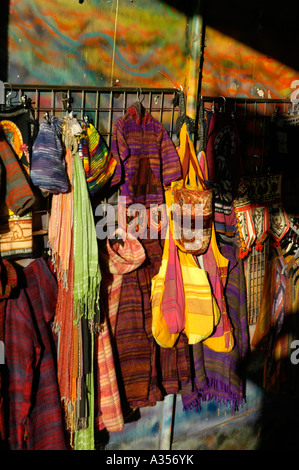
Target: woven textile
{"x":168,"y":293}
{"x":98,"y":164}
{"x":277,"y":325}
{"x":61,"y":225}
{"x":48,"y":170}
{"x":17,"y":192}
{"x":148,"y":372}
{"x":87,"y":276}
{"x":35,"y":414}
{"x":146,"y":157}
{"x":189,"y":196}
{"x":223,"y":151}
{"x":220,"y":376}
{"x":115,"y":260}
{"x":17,"y":199}
{"x":8,"y":281}
{"x":259,"y":211}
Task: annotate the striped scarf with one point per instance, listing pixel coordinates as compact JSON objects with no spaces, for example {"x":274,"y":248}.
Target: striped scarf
{"x":115,"y":261}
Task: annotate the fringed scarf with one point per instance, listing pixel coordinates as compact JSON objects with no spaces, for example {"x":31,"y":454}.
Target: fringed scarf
{"x":87,"y":274}
{"x":116,"y":260}
{"x":219,"y":376}
{"x":60,"y":226}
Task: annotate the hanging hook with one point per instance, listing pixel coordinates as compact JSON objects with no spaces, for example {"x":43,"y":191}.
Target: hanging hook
{"x":222,"y":107}
{"x":138,"y":95}
{"x":8,"y":101}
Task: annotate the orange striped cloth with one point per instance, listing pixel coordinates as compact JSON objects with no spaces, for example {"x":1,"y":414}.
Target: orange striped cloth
{"x":115,"y":261}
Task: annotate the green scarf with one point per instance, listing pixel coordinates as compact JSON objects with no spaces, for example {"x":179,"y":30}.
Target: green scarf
{"x":84,"y":438}
{"x":87,"y":275}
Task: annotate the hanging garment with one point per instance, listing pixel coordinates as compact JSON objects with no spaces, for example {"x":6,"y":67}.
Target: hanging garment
{"x":260,"y":212}
{"x":98,"y":164}
{"x":35,"y":415}
{"x":146,"y":157}
{"x":48,"y":171}
{"x":168,"y":296}
{"x":188,"y":196}
{"x":216,"y":266}
{"x":220,"y":376}
{"x":16,"y":201}
{"x":147,"y":161}
{"x":116,"y":260}
{"x":61,"y":226}
{"x":8,"y":277}
{"x":20,"y":129}
{"x":220,"y":337}
{"x":87,"y":276}
{"x":148,"y":372}
{"x":223,"y":151}
{"x":277,"y":325}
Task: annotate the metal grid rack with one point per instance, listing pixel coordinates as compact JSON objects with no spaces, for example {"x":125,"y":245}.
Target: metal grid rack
{"x":103,"y":105}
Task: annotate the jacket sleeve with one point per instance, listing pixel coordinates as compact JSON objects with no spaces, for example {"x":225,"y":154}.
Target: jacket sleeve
{"x":171,"y":166}
{"x":119,"y":151}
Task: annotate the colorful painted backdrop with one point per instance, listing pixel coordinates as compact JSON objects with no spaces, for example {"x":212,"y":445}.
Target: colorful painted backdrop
{"x":140,"y":43}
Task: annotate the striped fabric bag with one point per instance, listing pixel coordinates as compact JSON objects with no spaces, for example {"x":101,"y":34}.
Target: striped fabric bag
{"x":162,"y":293}
{"x":201,"y":312}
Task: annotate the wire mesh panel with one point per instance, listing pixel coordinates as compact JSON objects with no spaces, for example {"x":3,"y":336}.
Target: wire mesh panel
{"x":255,"y":268}
{"x":104,"y":105}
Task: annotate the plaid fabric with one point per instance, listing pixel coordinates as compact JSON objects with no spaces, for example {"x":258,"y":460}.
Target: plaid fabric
{"x":35,"y":417}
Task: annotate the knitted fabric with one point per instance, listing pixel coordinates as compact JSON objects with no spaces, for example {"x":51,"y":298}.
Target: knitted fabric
{"x":98,"y":165}
{"x":48,"y":170}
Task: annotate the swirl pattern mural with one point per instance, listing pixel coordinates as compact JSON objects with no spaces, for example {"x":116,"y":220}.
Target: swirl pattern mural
{"x":144,"y":43}
{"x":95,"y":43}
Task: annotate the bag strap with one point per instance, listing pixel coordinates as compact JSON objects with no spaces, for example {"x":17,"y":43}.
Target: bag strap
{"x":189,"y":162}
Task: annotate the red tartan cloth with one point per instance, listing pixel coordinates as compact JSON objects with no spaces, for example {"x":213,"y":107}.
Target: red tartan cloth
{"x":35,"y":414}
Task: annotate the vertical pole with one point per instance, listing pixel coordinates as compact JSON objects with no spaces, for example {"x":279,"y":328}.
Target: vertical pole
{"x":166,"y":422}
{"x":196,"y":57}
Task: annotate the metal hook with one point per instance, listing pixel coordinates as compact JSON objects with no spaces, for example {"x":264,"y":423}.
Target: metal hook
{"x":8,"y":95}
{"x":140,"y":93}
{"x":224,"y":102}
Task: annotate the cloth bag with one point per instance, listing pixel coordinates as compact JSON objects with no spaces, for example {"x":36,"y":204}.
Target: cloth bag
{"x":201,"y":313}
{"x":187,"y":201}
{"x":167,"y":295}
{"x":220,"y":338}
